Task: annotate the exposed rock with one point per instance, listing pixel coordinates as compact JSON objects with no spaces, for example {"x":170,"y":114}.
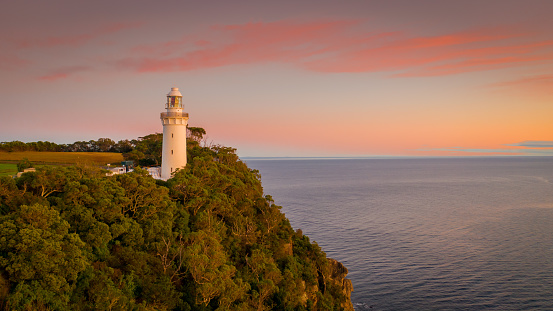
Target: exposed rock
{"x":334,"y":276}
{"x":338,"y":274}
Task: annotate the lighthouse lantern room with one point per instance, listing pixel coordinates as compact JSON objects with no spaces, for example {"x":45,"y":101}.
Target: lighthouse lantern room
{"x":174,"y":122}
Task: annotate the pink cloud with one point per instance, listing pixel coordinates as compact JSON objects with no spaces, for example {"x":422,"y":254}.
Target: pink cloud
{"x":73,"y":40}
{"x":54,"y":76}
{"x":241,"y":44}
{"x":476,"y":64}
{"x":166,"y":48}
{"x":533,"y":80}
{"x":63,"y":73}
{"x":11,"y":62}
{"x":486,"y":58}
{"x":438,"y":55}
{"x":340,"y":46}
{"x":541,"y":85}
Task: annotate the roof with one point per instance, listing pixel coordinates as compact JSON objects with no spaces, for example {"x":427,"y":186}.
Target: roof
{"x":174,"y":92}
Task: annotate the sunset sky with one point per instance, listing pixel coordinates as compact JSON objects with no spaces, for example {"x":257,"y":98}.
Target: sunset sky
{"x":285,"y":78}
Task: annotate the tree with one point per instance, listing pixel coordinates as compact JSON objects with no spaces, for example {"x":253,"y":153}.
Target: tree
{"x":15,"y":145}
{"x":266,"y":277}
{"x":79,"y":146}
{"x":47,"y":180}
{"x":123,"y":146}
{"x":147,"y":150}
{"x":195,"y":133}
{"x":104,"y":145}
{"x":41,"y":258}
{"x":206,"y":262}
{"x":143,"y":197}
{"x":10,"y":196}
{"x":24,"y":164}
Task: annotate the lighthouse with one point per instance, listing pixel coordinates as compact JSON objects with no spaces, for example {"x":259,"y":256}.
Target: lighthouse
{"x":174,"y":122}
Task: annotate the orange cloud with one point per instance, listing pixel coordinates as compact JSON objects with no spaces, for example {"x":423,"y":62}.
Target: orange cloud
{"x":340,"y":46}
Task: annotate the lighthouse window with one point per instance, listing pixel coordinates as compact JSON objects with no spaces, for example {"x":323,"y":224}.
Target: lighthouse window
{"x":171,"y":151}
{"x":171,"y":135}
{"x":171,"y":169}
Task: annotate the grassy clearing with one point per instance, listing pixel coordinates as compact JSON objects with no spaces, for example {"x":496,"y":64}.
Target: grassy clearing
{"x":98,"y":158}
{"x":8,"y":169}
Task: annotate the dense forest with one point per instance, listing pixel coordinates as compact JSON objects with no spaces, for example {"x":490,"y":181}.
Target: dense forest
{"x":72,"y":238}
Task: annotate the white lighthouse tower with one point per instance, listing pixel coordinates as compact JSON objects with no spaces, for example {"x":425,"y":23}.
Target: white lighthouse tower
{"x":174,"y":122}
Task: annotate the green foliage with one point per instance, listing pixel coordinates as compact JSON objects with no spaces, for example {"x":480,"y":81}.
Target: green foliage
{"x":195,"y":133}
{"x":32,"y":146}
{"x":24,"y":164}
{"x":41,"y":257}
{"x":147,"y":150}
{"x":72,"y":238}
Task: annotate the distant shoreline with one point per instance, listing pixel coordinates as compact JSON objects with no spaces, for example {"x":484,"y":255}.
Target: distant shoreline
{"x":397,"y":157}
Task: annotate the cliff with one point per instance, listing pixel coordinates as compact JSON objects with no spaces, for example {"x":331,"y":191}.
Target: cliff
{"x":331,"y":277}
{"x":338,"y":274}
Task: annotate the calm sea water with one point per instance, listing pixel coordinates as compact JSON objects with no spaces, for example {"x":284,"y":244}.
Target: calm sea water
{"x":427,"y":234}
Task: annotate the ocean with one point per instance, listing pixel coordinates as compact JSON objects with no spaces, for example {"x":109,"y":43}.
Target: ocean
{"x":427,"y":233}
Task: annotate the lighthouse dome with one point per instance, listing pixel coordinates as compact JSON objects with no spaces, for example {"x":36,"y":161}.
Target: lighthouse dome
{"x":174,"y":92}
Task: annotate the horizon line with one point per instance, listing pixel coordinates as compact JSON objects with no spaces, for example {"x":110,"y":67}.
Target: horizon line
{"x":376,"y":157}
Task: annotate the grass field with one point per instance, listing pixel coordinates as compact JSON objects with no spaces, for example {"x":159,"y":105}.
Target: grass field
{"x":56,"y":158}
{"x":8,"y":169}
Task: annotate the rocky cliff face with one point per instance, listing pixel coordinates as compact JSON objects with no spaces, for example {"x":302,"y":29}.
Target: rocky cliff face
{"x":330,"y":278}
{"x":338,"y":274}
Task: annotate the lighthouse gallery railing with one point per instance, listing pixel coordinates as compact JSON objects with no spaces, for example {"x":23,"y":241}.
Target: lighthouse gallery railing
{"x":174,"y":114}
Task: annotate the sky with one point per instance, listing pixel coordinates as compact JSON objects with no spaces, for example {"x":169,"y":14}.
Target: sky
{"x":285,"y":78}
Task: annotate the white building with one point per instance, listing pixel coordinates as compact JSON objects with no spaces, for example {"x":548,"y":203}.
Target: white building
{"x":155,"y":172}
{"x":116,"y":170}
{"x":174,"y":122}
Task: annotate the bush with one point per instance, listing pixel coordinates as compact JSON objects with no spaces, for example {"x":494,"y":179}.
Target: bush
{"x":24,"y":164}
